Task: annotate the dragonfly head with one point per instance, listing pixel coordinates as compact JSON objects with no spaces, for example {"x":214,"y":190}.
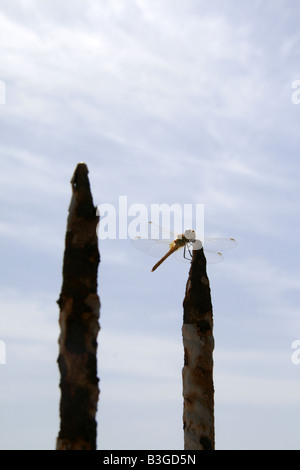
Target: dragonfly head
{"x":190,"y":234}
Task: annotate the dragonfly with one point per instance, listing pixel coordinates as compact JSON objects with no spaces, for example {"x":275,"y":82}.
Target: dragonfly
{"x":182,"y":245}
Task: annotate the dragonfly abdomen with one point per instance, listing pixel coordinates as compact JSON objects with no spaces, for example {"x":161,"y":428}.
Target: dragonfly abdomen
{"x":172,"y":250}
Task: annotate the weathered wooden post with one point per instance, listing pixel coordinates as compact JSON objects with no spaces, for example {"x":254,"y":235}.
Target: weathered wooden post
{"x":79,"y":321}
{"x":197,"y":373}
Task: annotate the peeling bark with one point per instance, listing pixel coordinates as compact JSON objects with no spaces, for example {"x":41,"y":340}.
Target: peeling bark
{"x":197,"y":373}
{"x":79,"y":321}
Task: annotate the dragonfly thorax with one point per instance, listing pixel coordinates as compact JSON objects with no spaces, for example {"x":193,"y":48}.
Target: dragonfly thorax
{"x":186,"y":238}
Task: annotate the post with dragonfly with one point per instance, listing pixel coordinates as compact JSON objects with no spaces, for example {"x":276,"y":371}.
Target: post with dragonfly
{"x":197,"y":373}
{"x":197,"y":329}
{"x":79,"y":321}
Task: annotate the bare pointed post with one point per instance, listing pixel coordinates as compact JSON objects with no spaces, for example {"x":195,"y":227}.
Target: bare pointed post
{"x":197,"y":373}
{"x":79,"y":321}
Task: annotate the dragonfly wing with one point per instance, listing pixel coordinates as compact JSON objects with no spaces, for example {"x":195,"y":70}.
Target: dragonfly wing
{"x":156,"y":248}
{"x":155,"y":231}
{"x":219,"y":244}
{"x":213,"y":257}
{"x":160,"y":240}
{"x":156,"y":240}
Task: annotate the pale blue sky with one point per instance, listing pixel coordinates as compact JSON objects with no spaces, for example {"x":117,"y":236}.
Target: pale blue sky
{"x":167,"y":102}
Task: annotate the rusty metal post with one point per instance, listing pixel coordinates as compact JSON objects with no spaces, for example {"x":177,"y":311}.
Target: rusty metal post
{"x":197,"y":373}
{"x":79,"y":321}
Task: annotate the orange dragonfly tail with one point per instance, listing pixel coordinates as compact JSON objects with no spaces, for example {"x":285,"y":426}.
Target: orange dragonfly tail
{"x":174,"y":248}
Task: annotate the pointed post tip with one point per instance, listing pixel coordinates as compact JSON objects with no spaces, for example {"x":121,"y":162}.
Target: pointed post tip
{"x":81,"y":169}
{"x":82,"y":165}
{"x":80,"y":175}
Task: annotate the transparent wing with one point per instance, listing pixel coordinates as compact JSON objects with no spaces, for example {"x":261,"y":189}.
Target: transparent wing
{"x":157,"y":232}
{"x":156,"y":248}
{"x":219,"y":244}
{"x":156,"y":242}
{"x":212,"y":257}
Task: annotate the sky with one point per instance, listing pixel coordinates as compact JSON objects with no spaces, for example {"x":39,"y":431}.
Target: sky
{"x":166,"y":102}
